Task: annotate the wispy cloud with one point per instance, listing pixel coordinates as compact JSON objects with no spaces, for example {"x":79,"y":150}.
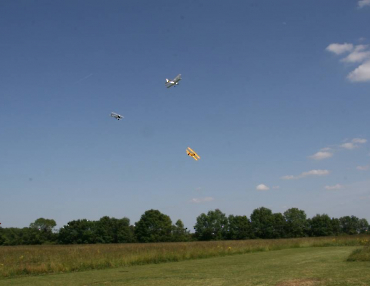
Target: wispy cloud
{"x":329,"y":152}
{"x":363,"y":3}
{"x":359,"y":54}
{"x":359,"y":140}
{"x":202,"y":200}
{"x":288,"y":177}
{"x":307,"y":174}
{"x":321,"y":155}
{"x":335,"y":187}
{"x":326,"y":149}
{"x":349,"y":146}
{"x":354,"y":143}
{"x":86,"y":77}
{"x":262,"y":187}
{"x":276,"y":187}
{"x":363,"y":168}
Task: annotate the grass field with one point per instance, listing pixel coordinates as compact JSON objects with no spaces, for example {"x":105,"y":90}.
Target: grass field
{"x":31,"y":260}
{"x":311,"y":266}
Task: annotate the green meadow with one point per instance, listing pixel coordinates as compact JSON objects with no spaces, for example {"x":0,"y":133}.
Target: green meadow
{"x":302,"y":261}
{"x":308,"y":266}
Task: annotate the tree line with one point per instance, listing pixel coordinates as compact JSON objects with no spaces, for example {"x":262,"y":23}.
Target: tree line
{"x":155,"y":226}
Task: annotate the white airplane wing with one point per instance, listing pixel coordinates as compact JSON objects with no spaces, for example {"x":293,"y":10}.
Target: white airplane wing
{"x":177,"y":78}
{"x":115,"y":115}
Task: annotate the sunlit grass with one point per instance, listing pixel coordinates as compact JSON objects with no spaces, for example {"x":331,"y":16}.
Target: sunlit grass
{"x":25,"y":260}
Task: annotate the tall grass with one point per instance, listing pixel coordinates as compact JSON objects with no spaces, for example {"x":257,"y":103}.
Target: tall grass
{"x":361,"y":254}
{"x":26,"y":260}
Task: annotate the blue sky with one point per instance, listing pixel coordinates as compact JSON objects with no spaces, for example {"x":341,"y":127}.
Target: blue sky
{"x":275,"y":99}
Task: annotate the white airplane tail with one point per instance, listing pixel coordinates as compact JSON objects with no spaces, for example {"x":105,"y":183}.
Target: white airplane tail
{"x":167,"y":80}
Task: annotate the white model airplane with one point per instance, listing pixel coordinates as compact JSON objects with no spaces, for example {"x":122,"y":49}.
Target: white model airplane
{"x":173,"y":82}
{"x":116,"y":116}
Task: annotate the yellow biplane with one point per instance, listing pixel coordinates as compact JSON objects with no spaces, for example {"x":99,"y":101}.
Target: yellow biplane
{"x":192,"y":153}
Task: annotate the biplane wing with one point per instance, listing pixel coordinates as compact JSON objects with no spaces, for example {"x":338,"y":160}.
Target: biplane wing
{"x":177,"y":78}
{"x":115,"y":115}
{"x":173,"y":82}
{"x":192,"y":153}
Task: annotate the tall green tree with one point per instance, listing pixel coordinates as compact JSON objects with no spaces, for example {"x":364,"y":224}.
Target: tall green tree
{"x":350,"y":224}
{"x":112,"y":230}
{"x":336,"y":226}
{"x":153,"y":226}
{"x":211,"y":226}
{"x":321,"y":225}
{"x":363,"y":226}
{"x":296,"y":222}
{"x":43,"y":224}
{"x":239,"y":227}
{"x":180,"y":232}
{"x":262,"y":223}
{"x":279,"y":225}
{"x":41,"y":231}
{"x":81,"y":231}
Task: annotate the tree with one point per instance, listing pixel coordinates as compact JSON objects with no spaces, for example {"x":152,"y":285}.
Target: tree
{"x":321,"y":225}
{"x":239,"y":227}
{"x":153,"y":226}
{"x":296,"y":223}
{"x":80,"y":231}
{"x":112,"y":230}
{"x":336,"y":226}
{"x":211,"y":226}
{"x":262,"y":222}
{"x":41,"y":231}
{"x":363,"y":226}
{"x":43,"y":224}
{"x":349,"y":224}
{"x":180,"y":232}
{"x":124,"y":231}
{"x":279,"y":225}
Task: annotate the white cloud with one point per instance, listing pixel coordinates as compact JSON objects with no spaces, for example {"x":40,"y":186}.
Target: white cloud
{"x":359,"y":140}
{"x":307,"y":174}
{"x":335,"y":187}
{"x":339,"y":49}
{"x":288,"y":177}
{"x":358,"y":55}
{"x":349,"y":146}
{"x":361,"y":73}
{"x":262,"y":187}
{"x":202,"y":200}
{"x":321,"y":155}
{"x":363,"y":3}
{"x":326,"y":149}
{"x":315,"y":173}
{"x":362,"y":168}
